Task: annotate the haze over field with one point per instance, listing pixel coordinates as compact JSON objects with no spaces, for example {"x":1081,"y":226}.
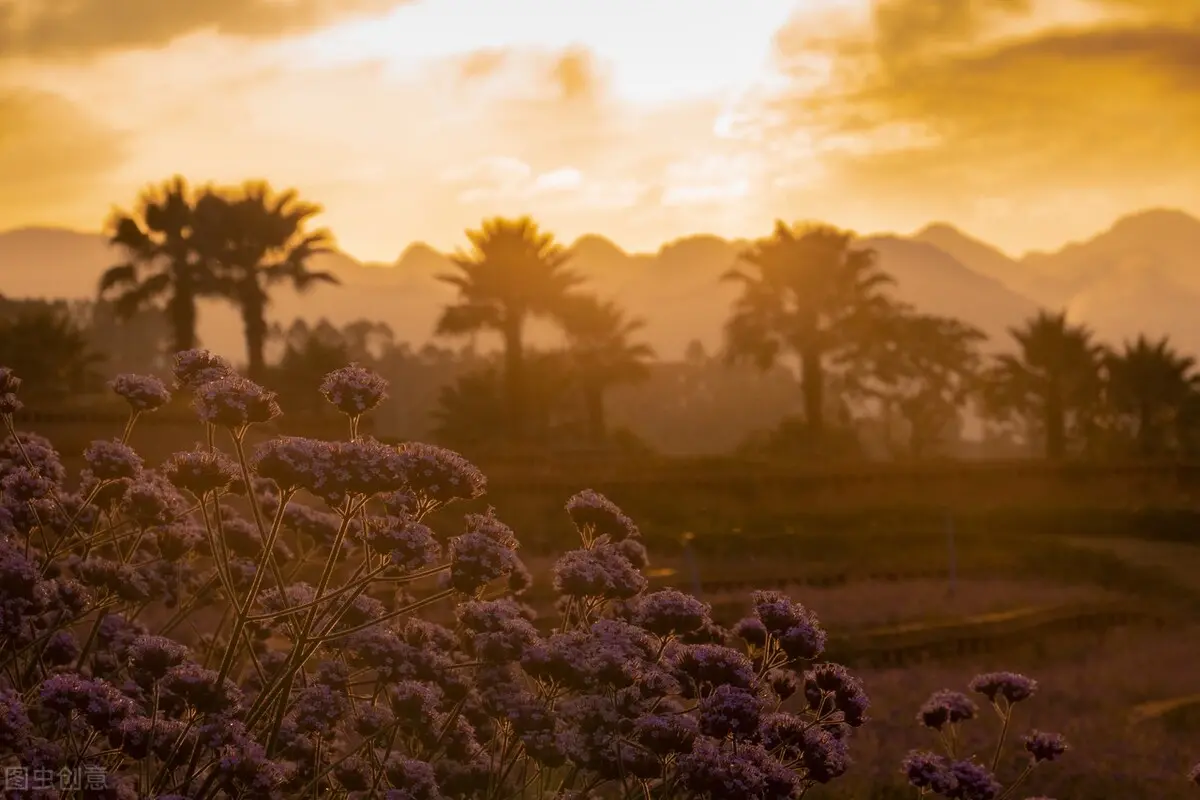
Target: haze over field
{"x":1136,"y":277}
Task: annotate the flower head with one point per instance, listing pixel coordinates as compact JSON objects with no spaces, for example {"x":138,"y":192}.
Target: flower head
{"x":595,"y":515}
{"x":112,"y":460}
{"x":196,"y":367}
{"x":1011,"y":686}
{"x":200,"y":471}
{"x":235,"y":402}
{"x":1045,"y":746}
{"x":354,"y":390}
{"x":141,"y":392}
{"x":9,"y":384}
{"x":946,"y":707}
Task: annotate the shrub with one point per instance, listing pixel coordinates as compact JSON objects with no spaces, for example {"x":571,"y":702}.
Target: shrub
{"x":198,"y":630}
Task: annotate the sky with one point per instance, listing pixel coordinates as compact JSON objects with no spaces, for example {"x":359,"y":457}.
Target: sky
{"x":1027,"y":123}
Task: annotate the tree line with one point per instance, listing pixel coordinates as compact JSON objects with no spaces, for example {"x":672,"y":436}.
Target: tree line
{"x":809,"y":299}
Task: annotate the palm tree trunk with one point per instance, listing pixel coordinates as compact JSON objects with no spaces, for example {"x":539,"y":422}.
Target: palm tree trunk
{"x":1056,"y":424}
{"x":514,"y":377}
{"x":181,"y":316}
{"x":1147,"y":433}
{"x":812,"y":384}
{"x":597,"y":422}
{"x":255,"y":323}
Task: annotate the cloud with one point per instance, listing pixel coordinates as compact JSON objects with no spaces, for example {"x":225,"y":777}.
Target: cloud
{"x":951,"y":103}
{"x":53,"y":29}
{"x":50,"y":154}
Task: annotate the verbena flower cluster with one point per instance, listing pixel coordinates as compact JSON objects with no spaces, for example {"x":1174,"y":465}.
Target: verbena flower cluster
{"x":953,"y":774}
{"x":280,"y":620}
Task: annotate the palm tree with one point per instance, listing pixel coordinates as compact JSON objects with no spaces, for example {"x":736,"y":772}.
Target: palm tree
{"x":162,"y":264}
{"x":1054,"y":376}
{"x":1149,"y":383}
{"x":513,"y":272}
{"x":256,"y":238}
{"x":806,"y":292}
{"x":603,"y":355}
{"x":922,"y":366}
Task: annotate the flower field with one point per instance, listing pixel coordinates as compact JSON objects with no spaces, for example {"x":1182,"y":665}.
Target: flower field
{"x":279,"y":617}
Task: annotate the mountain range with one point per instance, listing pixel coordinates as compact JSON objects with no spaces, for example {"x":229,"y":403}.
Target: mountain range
{"x":1140,"y":275}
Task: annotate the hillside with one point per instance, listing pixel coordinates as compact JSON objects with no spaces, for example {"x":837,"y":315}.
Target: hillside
{"x":1119,"y":281}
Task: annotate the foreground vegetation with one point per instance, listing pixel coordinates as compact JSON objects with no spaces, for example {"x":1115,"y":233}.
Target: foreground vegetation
{"x":342,"y":689}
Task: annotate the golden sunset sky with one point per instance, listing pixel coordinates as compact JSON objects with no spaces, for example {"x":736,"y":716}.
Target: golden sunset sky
{"x":1025,"y":122}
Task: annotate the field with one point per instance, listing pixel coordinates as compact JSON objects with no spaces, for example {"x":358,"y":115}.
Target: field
{"x":1087,"y":580}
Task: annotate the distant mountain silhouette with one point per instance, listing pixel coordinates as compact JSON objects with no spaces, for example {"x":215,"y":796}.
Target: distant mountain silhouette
{"x":1161,"y":239}
{"x":1139,"y":275}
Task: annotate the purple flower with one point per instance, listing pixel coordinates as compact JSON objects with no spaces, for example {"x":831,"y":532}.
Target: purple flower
{"x":635,"y":551}
{"x":140,"y":736}
{"x":61,"y":648}
{"x":435,"y":476}
{"x":973,"y":782}
{"x":664,"y":734}
{"x":319,"y":707}
{"x":200,"y":471}
{"x":831,"y":688}
{"x":354,"y":390}
{"x":797,"y":630}
{"x":414,"y":703}
{"x":150,"y":501}
{"x":410,"y":544}
{"x":597,"y":572}
{"x":31,"y":449}
{"x":96,"y":700}
{"x":15,"y":727}
{"x":928,"y":771}
{"x":1045,"y":746}
{"x":112,"y":460}
{"x":418,"y":779}
{"x":730,"y":711}
{"x":141,"y":392}
{"x":495,"y":630}
{"x":706,"y":666}
{"x":713,"y":771}
{"x":246,"y":771}
{"x":1194,"y":775}
{"x":197,"y":367}
{"x":783,"y":683}
{"x":292,"y":462}
{"x":176,"y":540}
{"x":824,"y":755}
{"x":354,"y":774}
{"x":752,"y":631}
{"x":23,"y":485}
{"x":122,"y":580}
{"x":1012,"y":686}
{"x":198,"y":687}
{"x":670,"y":611}
{"x":595,"y":515}
{"x":9,"y":385}
{"x":235,"y":402}
{"x":476,"y":560}
{"x":373,"y":720}
{"x":154,"y":656}
{"x":946,"y":707}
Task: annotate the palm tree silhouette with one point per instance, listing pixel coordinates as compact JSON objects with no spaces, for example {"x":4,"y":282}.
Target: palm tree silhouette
{"x":807,"y":292}
{"x":603,"y":354}
{"x":162,"y":261}
{"x":1055,"y":375}
{"x":255,"y":238}
{"x":1149,"y":383}
{"x":512,"y":272}
{"x":922,"y":366}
